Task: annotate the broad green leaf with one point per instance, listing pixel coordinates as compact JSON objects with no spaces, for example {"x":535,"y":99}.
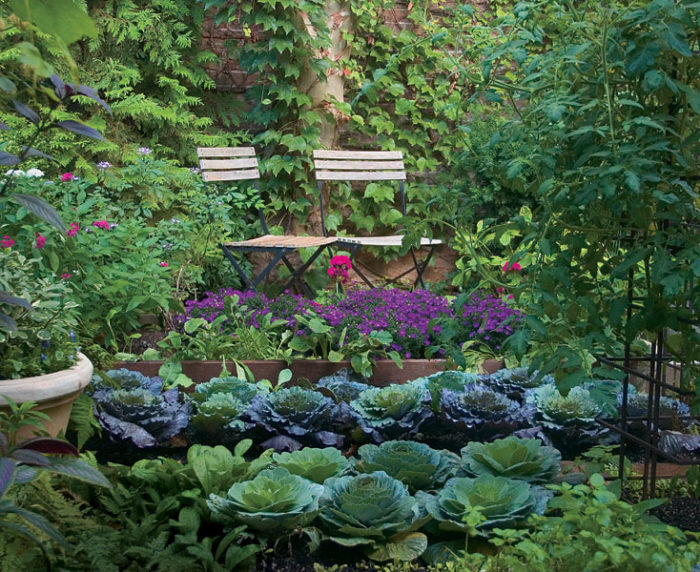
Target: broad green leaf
{"x":62,"y":18}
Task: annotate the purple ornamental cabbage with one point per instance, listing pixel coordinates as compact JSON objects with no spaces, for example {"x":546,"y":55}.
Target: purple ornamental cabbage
{"x":483,"y":414}
{"x":294,"y":417}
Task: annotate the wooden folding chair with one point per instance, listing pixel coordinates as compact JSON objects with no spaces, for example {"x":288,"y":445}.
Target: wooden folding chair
{"x":369,"y":166}
{"x":240,"y":164}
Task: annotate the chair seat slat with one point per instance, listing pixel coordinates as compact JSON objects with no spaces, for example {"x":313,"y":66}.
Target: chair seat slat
{"x":392,"y":240}
{"x":225,"y":152}
{"x":370,"y":155}
{"x":360,"y":175}
{"x":359,"y":165}
{"x":247,"y":174}
{"x":286,"y":241}
{"x":228,"y":164}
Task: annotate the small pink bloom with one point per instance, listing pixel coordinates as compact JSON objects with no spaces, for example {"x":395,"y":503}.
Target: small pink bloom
{"x":101,"y":224}
{"x":164,"y":264}
{"x":510,"y":296}
{"x":67,"y":177}
{"x":6,"y":242}
{"x":40,"y":241}
{"x":346,"y":72}
{"x":66,"y":276}
{"x":340,"y":260}
{"x":500,"y":290}
{"x":515,"y":266}
{"x":73,"y":230}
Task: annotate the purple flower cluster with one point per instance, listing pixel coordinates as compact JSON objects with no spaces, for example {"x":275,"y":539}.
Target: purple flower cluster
{"x":414,"y":319}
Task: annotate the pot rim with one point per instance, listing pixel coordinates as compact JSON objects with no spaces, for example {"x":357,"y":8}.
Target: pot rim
{"x":42,"y":388}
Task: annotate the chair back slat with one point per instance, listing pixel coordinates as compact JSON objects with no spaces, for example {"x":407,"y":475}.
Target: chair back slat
{"x":223,"y":152}
{"x":357,"y":155}
{"x":360,"y":175}
{"x":228,"y":163}
{"x":359,"y":165}
{"x":248,"y":174}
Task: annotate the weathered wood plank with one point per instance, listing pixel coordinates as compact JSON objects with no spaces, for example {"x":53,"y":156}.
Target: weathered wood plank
{"x":360,"y":175}
{"x":287,"y":241}
{"x":231,"y":175}
{"x":326,"y":154}
{"x":225,"y":152}
{"x":359,"y":165}
{"x":228,"y":164}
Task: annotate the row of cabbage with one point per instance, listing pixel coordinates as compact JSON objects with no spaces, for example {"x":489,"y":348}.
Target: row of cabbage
{"x":393,"y":498}
{"x":445,"y":410}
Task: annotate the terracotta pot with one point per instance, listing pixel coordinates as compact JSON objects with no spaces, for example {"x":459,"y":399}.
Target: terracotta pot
{"x":385,"y":371}
{"x":54,"y":394}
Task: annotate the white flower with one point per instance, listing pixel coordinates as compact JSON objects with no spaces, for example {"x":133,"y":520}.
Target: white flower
{"x":34,"y":173}
{"x":15,"y":172}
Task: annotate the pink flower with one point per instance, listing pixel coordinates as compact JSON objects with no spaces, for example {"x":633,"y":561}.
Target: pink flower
{"x":67,"y":177}
{"x":73,"y":230}
{"x":40,"y":240}
{"x":6,"y":242}
{"x":101,"y":224}
{"x":340,"y":260}
{"x":66,"y":276}
{"x":163,"y":264}
{"x":515,"y":267}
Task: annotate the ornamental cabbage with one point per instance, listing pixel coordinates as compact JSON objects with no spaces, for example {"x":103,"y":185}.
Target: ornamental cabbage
{"x":317,"y":465}
{"x":451,"y":379}
{"x":568,"y":421}
{"x":139,"y":412}
{"x":393,"y":412}
{"x":346,"y":385}
{"x":415,"y":464}
{"x":482,"y":413}
{"x":513,"y":383}
{"x":292,"y":417}
{"x":273,"y":501}
{"x":375,"y":511}
{"x":512,"y":457}
{"x":502,"y":502}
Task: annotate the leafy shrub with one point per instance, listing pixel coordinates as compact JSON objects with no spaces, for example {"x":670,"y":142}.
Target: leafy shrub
{"x":139,"y":413}
{"x":274,"y":500}
{"x":414,"y":464}
{"x":482,"y":413}
{"x":569,"y":421}
{"x":502,"y":502}
{"x":394,"y":411}
{"x":374,"y":511}
{"x":513,"y":458}
{"x":294,"y":416}
{"x":316,"y":465}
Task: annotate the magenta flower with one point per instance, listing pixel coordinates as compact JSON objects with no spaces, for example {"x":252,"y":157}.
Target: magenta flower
{"x":163,"y":264}
{"x":67,"y":177}
{"x":101,"y":224}
{"x":515,"y":267}
{"x":66,"y":276}
{"x":73,"y":230}
{"x":40,"y":241}
{"x":339,"y":267}
{"x":6,"y":242}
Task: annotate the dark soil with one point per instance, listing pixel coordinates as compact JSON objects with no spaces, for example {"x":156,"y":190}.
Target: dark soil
{"x":328,"y":556}
{"x":149,"y":339}
{"x":681,"y":512}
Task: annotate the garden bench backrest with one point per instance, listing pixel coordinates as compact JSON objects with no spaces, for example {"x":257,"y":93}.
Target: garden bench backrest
{"x":358,"y":166}
{"x":231,"y":164}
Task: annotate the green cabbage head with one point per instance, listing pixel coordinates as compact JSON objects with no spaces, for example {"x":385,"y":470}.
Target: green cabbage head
{"x":502,"y":502}
{"x":416,"y":465}
{"x":512,"y":457}
{"x":376,"y":512}
{"x":273,"y":501}
{"x":317,"y":465}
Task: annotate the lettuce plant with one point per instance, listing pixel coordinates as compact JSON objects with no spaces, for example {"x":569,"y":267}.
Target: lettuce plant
{"x":569,"y":421}
{"x":393,"y":412}
{"x":515,"y":382}
{"x":414,"y":464}
{"x":139,"y":412}
{"x":273,"y":501}
{"x":374,"y":511}
{"x":482,"y":413}
{"x":292,"y":417}
{"x":502,"y":502}
{"x":316,"y":465}
{"x":512,"y":457}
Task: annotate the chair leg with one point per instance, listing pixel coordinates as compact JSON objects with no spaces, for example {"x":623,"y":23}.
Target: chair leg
{"x":248,"y":285}
{"x":275,"y":259}
{"x":420,"y":268}
{"x":353,"y":248}
{"x":297,"y":275}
